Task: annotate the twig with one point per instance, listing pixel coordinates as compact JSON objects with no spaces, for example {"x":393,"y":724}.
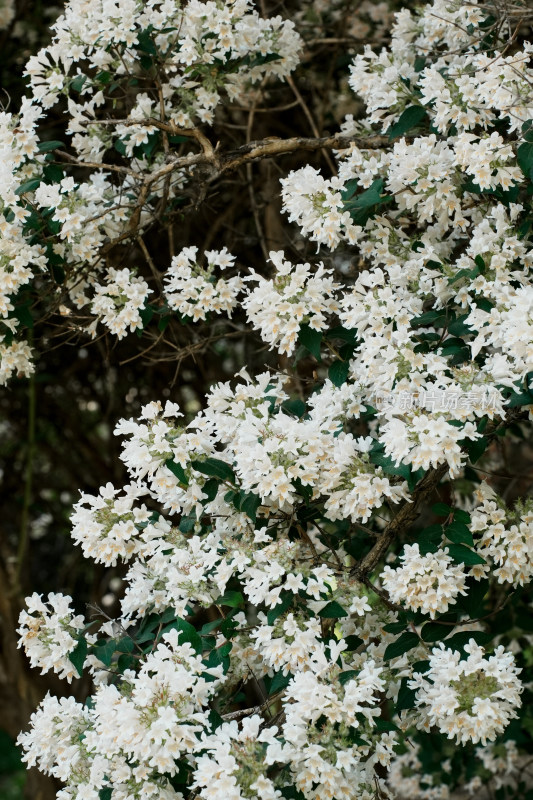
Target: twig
{"x":307,"y":112}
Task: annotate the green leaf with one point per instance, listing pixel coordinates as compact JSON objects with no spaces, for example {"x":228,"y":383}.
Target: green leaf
{"x":378,"y":457}
{"x":146,"y":315}
{"x":304,"y":490}
{"x":402,"y":645}
{"x":527,"y":130}
{"x":311,"y":340}
{"x":77,"y":83}
{"x":352,"y":643}
{"x":338,"y":372}
{"x":28,"y":186}
{"x":459,"y":533}
{"x":429,"y":539}
{"x":386,"y":725}
{"x":219,"y":656}
{"x":103,"y":77}
{"x":52,"y":173}
{"x":410,"y":118}
{"x":350,"y":188}
{"x":520,"y":399}
{"x":210,"y":489}
{"x":349,"y":675}
{"x":436,"y":317}
{"x":371,"y":196}
{"x":187,"y":633}
{"x":480,"y":263}
{"x":458,"y":327}
{"x":524,"y":156}
{"x":215,"y":468}
{"x":126,"y":661}
{"x":333,"y":610}
{"x":145,"y":43}
{"x":47,"y":147}
{"x":434,"y":631}
{"x":105,"y":794}
{"x":464,"y":555}
{"x":250,"y":504}
{"x":295,"y":407}
{"x":420,"y":666}
{"x":477,"y":448}
{"x":441,"y":509}
{"x":406,"y":697}
{"x":279,"y":682}
{"x":78,"y":655}
{"x":187,"y":524}
{"x":125,"y":645}
{"x":279,"y":609}
{"x":395,"y":627}
{"x":362,"y":206}
{"x":177,"y":470}
{"x":231,"y":599}
{"x":292,"y":793}
{"x":24,"y":315}
{"x":104,"y":651}
{"x":472,"y":602}
{"x":458,"y":640}
{"x":348,"y":335}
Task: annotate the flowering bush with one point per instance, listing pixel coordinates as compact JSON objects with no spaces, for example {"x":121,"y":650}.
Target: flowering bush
{"x":322,"y":598}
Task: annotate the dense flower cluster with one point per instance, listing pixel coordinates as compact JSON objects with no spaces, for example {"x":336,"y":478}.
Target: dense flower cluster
{"x":428,"y":583}
{"x":316,"y":204}
{"x":506,"y":537}
{"x":119,"y":740}
{"x":49,"y":633}
{"x":194,"y":291}
{"x":107,"y":526}
{"x":259,"y":534}
{"x":205,"y":48}
{"x":469,"y":699}
{"x":294,"y":297}
{"x":118,"y":303}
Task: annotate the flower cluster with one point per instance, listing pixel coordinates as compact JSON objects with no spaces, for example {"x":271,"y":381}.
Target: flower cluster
{"x":506,"y":537}
{"x":428,"y":583}
{"x":118,"y":303}
{"x":262,"y":649}
{"x":109,"y":527}
{"x":194,"y":291}
{"x":294,"y":297}
{"x":460,"y":86}
{"x":19,"y":259}
{"x":316,"y":205}
{"x":471,"y":699}
{"x":204,"y":49}
{"x":232,"y":764}
{"x":49,"y":633}
{"x":132,"y":731}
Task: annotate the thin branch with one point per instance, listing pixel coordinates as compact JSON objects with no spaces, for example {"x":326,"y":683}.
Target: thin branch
{"x":305,"y":108}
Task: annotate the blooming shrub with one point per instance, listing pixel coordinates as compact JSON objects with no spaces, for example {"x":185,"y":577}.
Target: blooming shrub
{"x":266,"y":646}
